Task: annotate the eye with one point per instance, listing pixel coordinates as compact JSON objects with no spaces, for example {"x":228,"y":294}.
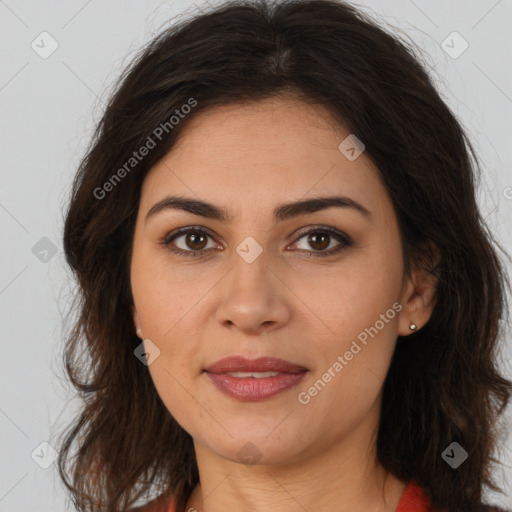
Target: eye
{"x":321,"y":237}
{"x":195,"y":241}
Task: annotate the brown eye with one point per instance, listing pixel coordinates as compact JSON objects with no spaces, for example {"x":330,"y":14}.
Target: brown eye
{"x":318,"y":241}
{"x":192,"y":242}
{"x":195,"y":241}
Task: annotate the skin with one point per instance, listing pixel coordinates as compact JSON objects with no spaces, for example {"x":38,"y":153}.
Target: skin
{"x":287,"y":303}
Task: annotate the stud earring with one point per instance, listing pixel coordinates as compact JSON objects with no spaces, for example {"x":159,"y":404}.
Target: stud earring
{"x":139,"y":332}
{"x":412,"y":327}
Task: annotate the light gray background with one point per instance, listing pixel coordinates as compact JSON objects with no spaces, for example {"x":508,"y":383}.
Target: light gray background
{"x":48,"y":108}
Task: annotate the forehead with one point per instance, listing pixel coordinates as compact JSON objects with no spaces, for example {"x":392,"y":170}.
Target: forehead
{"x":262,"y":151}
{"x":267,"y":127}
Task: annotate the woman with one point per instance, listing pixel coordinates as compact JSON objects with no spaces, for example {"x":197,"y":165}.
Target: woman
{"x":289,"y":298}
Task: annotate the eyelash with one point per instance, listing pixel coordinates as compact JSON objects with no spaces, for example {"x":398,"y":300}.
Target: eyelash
{"x":344,"y":239}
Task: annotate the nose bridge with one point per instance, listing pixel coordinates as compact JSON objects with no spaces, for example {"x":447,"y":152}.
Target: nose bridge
{"x":250,"y":262}
{"x":250,"y":299}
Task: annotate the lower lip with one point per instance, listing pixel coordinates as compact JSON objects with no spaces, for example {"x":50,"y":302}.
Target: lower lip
{"x":250,"y":388}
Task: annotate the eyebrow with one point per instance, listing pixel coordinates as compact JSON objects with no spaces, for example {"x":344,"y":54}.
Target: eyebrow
{"x":281,"y":213}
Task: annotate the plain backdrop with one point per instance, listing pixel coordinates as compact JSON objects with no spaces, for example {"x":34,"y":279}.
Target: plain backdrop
{"x":49,"y":104}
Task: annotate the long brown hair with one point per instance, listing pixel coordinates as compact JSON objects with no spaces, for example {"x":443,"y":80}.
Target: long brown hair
{"x":443,"y":385}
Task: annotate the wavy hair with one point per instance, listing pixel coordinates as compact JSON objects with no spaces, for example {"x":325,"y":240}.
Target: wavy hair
{"x":443,"y":384}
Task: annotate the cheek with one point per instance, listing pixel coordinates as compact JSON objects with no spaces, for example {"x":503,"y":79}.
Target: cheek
{"x":352,"y":364}
{"x":165,"y":292}
{"x":175,"y":392}
{"x":354,"y":313}
{"x":351,"y":294}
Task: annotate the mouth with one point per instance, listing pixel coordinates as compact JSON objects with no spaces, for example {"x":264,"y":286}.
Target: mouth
{"x":257,"y":379}
{"x":234,"y":364}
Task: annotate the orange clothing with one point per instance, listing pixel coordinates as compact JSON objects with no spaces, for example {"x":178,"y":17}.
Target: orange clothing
{"x":413,"y":499}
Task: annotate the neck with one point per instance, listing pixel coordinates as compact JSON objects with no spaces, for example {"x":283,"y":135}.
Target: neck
{"x":345,"y":477}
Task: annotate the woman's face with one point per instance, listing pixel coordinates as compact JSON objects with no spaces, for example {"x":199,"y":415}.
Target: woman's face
{"x":259,"y":285}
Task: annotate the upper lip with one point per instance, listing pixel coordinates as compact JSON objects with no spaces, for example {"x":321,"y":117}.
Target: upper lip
{"x":261,"y":364}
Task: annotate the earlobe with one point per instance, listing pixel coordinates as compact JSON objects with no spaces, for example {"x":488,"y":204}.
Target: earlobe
{"x":136,"y":321}
{"x":418,"y":302}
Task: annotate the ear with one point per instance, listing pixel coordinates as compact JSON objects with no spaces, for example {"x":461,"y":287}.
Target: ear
{"x":136,"y":321}
{"x":419,"y":294}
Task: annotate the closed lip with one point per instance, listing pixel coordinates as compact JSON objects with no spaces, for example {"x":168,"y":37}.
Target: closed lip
{"x":261,"y":364}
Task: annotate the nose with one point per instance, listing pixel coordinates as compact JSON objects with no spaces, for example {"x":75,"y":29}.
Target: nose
{"x":253,"y":296}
